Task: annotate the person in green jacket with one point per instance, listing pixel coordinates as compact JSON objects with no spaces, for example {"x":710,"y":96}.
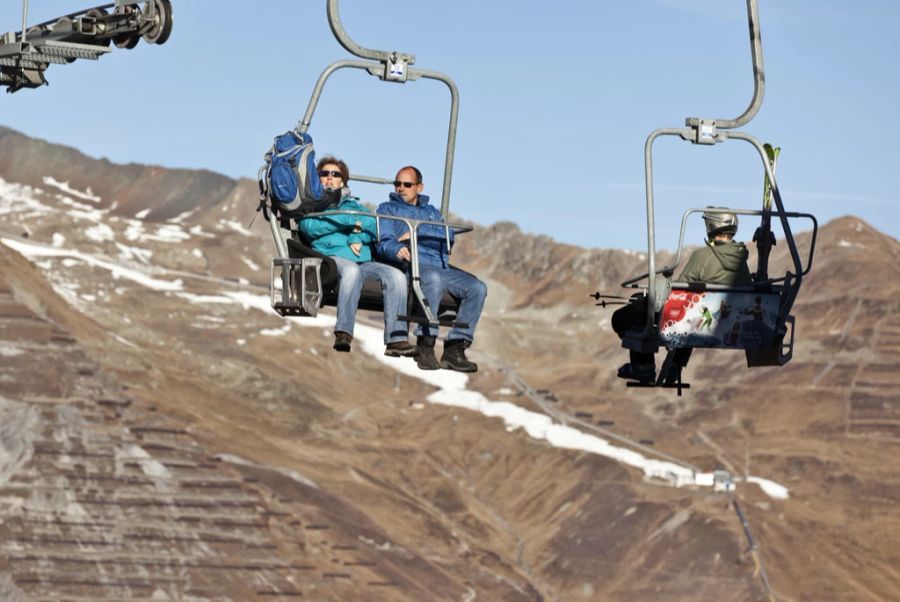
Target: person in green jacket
{"x":722,"y":260}
{"x":349,"y":239}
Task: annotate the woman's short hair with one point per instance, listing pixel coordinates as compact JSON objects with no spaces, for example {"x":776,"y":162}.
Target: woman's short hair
{"x":329,"y":160}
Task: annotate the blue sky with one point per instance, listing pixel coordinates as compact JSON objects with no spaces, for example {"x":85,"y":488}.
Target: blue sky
{"x":557,"y":100}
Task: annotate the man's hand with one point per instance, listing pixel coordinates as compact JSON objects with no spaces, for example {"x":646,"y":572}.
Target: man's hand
{"x":356,"y":247}
{"x":403,"y":254}
{"x":404,"y":236}
{"x":357,"y":227}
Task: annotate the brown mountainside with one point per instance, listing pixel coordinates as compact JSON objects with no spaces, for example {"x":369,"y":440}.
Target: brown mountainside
{"x":161,"y":438}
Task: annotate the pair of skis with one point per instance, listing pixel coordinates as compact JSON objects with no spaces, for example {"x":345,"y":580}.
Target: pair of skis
{"x":763,"y":237}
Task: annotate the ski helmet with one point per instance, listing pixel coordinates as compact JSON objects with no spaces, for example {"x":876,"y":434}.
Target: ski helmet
{"x":720,"y":222}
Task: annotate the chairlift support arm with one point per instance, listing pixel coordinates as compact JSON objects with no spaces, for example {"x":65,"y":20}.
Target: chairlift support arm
{"x":389,"y":66}
{"x":759,"y":82}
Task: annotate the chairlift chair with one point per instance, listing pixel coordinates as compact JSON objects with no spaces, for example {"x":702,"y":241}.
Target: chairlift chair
{"x":303,"y":280}
{"x":85,"y":34}
{"x":762,"y":330}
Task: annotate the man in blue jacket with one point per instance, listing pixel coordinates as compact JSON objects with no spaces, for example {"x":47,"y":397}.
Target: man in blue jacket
{"x":437,"y":276}
{"x":349,"y":240}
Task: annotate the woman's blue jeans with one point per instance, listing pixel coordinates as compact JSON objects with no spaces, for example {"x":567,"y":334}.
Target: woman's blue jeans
{"x":393,"y":288}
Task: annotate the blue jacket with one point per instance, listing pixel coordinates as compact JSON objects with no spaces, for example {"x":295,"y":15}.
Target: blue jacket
{"x":432,"y":240}
{"x":333,"y":235}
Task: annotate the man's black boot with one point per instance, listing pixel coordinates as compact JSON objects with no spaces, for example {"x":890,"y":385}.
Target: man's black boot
{"x":425,"y":358}
{"x":454,"y":356}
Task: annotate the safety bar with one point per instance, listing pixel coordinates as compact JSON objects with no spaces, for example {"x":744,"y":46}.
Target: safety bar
{"x":756,"y":212}
{"x":394,"y":67}
{"x":412,"y":224}
{"x":371,"y":179}
{"x":759,"y":84}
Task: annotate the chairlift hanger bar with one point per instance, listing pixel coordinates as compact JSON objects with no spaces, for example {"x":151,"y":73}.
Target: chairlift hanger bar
{"x":390,"y":66}
{"x":759,"y":83}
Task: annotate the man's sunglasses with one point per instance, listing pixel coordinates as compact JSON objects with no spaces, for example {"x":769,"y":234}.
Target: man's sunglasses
{"x":333,"y":174}
{"x":398,"y":184}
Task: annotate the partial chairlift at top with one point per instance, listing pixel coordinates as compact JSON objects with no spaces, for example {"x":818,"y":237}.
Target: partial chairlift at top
{"x":86,"y":34}
{"x":304,"y":280}
{"x":759,"y":314}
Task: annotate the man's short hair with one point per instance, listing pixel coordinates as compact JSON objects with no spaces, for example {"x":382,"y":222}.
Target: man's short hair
{"x":330,"y":160}
{"x":415,"y":170}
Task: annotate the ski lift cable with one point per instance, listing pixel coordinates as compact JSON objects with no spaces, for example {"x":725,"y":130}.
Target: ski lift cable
{"x":753,"y":550}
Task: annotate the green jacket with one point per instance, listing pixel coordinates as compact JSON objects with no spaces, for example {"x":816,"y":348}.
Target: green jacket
{"x":719,"y":262}
{"x":333,"y":235}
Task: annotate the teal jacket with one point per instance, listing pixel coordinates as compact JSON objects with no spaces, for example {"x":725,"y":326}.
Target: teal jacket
{"x":333,"y":235}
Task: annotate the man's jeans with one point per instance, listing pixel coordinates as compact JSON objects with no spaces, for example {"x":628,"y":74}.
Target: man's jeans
{"x":467,"y":288}
{"x":393,"y":289}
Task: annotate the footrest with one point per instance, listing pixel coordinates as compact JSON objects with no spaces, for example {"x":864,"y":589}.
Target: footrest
{"x":658,"y":385}
{"x":424,"y":320}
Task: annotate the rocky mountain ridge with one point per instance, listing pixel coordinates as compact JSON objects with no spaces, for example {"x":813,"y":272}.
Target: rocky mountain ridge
{"x":155,"y":298}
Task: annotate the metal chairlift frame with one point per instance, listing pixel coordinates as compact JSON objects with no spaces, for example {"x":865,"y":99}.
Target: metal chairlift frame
{"x":711,"y":131}
{"x":84,"y":34}
{"x":388,"y":66}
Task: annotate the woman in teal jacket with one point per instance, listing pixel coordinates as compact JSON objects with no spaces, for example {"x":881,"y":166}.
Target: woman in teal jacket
{"x":349,"y":240}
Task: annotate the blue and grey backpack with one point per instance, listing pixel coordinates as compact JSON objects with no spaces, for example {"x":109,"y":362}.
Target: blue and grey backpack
{"x":289,"y":185}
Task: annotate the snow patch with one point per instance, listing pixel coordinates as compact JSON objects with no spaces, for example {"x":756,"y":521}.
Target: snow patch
{"x":142,"y":214}
{"x":9,"y":351}
{"x":127,"y":253}
{"x":293,"y":474}
{"x":149,"y":465}
{"x":80,"y":211}
{"x":452,"y":392}
{"x":249,"y":263}
{"x":168,"y":233}
{"x":32,"y":251}
{"x":770,"y":488}
{"x":88,"y":195}
{"x":236,"y":226}
{"x":99,"y":233}
{"x":204,"y":299}
{"x":276,"y":332}
{"x":183,"y":216}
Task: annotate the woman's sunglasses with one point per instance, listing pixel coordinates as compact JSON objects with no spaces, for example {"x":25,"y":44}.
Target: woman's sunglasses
{"x":333,"y":174}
